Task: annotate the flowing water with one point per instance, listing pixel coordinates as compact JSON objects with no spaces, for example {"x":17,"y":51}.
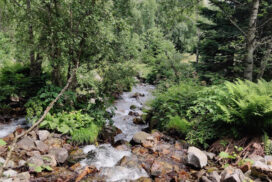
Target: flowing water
{"x":6,"y":129}
{"x":104,"y":156}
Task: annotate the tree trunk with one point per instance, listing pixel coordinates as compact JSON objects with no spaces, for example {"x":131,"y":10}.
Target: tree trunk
{"x":35,"y":64}
{"x":251,"y":41}
{"x":265,"y":60}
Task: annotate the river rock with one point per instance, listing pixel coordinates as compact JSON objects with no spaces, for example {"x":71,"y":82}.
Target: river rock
{"x":76,"y":156}
{"x":160,"y":167}
{"x":140,"y":137}
{"x":130,"y":162}
{"x":260,"y":169}
{"x":138,"y":121}
{"x":268,"y":159}
{"x":6,"y":179}
{"x":196,"y":157}
{"x":43,"y":134}
{"x":34,"y":162}
{"x":53,"y":143}
{"x":42,"y":147}
{"x":210,"y":155}
{"x":60,"y":154}
{"x":26,"y":143}
{"x":10,"y":173}
{"x":143,"y":179}
{"x":22,"y":177}
{"x":231,"y":174}
{"x":49,"y":160}
{"x":21,"y":163}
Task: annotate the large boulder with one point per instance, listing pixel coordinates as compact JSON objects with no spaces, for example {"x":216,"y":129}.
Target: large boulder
{"x":196,"y":158}
{"x":60,"y":154}
{"x":140,"y":137}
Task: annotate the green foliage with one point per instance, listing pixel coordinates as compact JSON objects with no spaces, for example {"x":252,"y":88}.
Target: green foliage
{"x":118,"y":78}
{"x":267,"y":144}
{"x":39,"y":169}
{"x":36,"y":105}
{"x":181,"y":125}
{"x":243,"y":107}
{"x":15,"y":81}
{"x":173,"y":103}
{"x":82,"y":127}
{"x":2,"y":143}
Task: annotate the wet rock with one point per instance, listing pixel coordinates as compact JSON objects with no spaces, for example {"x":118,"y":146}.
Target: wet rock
{"x":160,"y":167}
{"x":26,"y":143}
{"x":130,"y":162}
{"x":140,"y":137}
{"x":133,"y":107}
{"x":60,"y":154}
{"x":43,"y":134}
{"x":76,"y":156}
{"x":196,"y":157}
{"x":2,"y":160}
{"x":42,"y":147}
{"x":231,"y":174}
{"x":108,"y":133}
{"x":138,"y":121}
{"x":10,"y":173}
{"x":132,"y":113}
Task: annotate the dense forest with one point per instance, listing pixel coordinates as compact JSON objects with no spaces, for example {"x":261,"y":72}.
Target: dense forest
{"x":136,"y":90}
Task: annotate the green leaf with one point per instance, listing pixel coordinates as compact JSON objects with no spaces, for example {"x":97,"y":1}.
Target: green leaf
{"x":38,"y":169}
{"x":224,"y":155}
{"x":48,"y":168}
{"x":2,"y":143}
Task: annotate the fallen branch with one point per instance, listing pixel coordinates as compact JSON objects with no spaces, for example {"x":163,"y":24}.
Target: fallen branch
{"x":49,"y":107}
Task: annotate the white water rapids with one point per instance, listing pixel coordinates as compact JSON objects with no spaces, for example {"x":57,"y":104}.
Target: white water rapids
{"x":105,"y":157}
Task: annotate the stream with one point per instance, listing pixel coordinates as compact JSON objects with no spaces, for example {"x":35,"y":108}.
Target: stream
{"x":105,"y":157}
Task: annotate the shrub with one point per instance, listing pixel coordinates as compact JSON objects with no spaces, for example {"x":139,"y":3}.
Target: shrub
{"x":82,"y":127}
{"x":37,"y":104}
{"x":173,"y":103}
{"x":117,"y":78}
{"x":231,"y":109}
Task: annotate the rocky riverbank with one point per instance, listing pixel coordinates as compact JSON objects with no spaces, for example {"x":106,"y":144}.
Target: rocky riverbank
{"x":43,"y":156}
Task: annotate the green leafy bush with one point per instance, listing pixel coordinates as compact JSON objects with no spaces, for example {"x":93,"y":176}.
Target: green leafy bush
{"x":82,"y":127}
{"x":173,"y":103}
{"x":37,"y":104}
{"x":230,"y":109}
{"x":117,"y":78}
